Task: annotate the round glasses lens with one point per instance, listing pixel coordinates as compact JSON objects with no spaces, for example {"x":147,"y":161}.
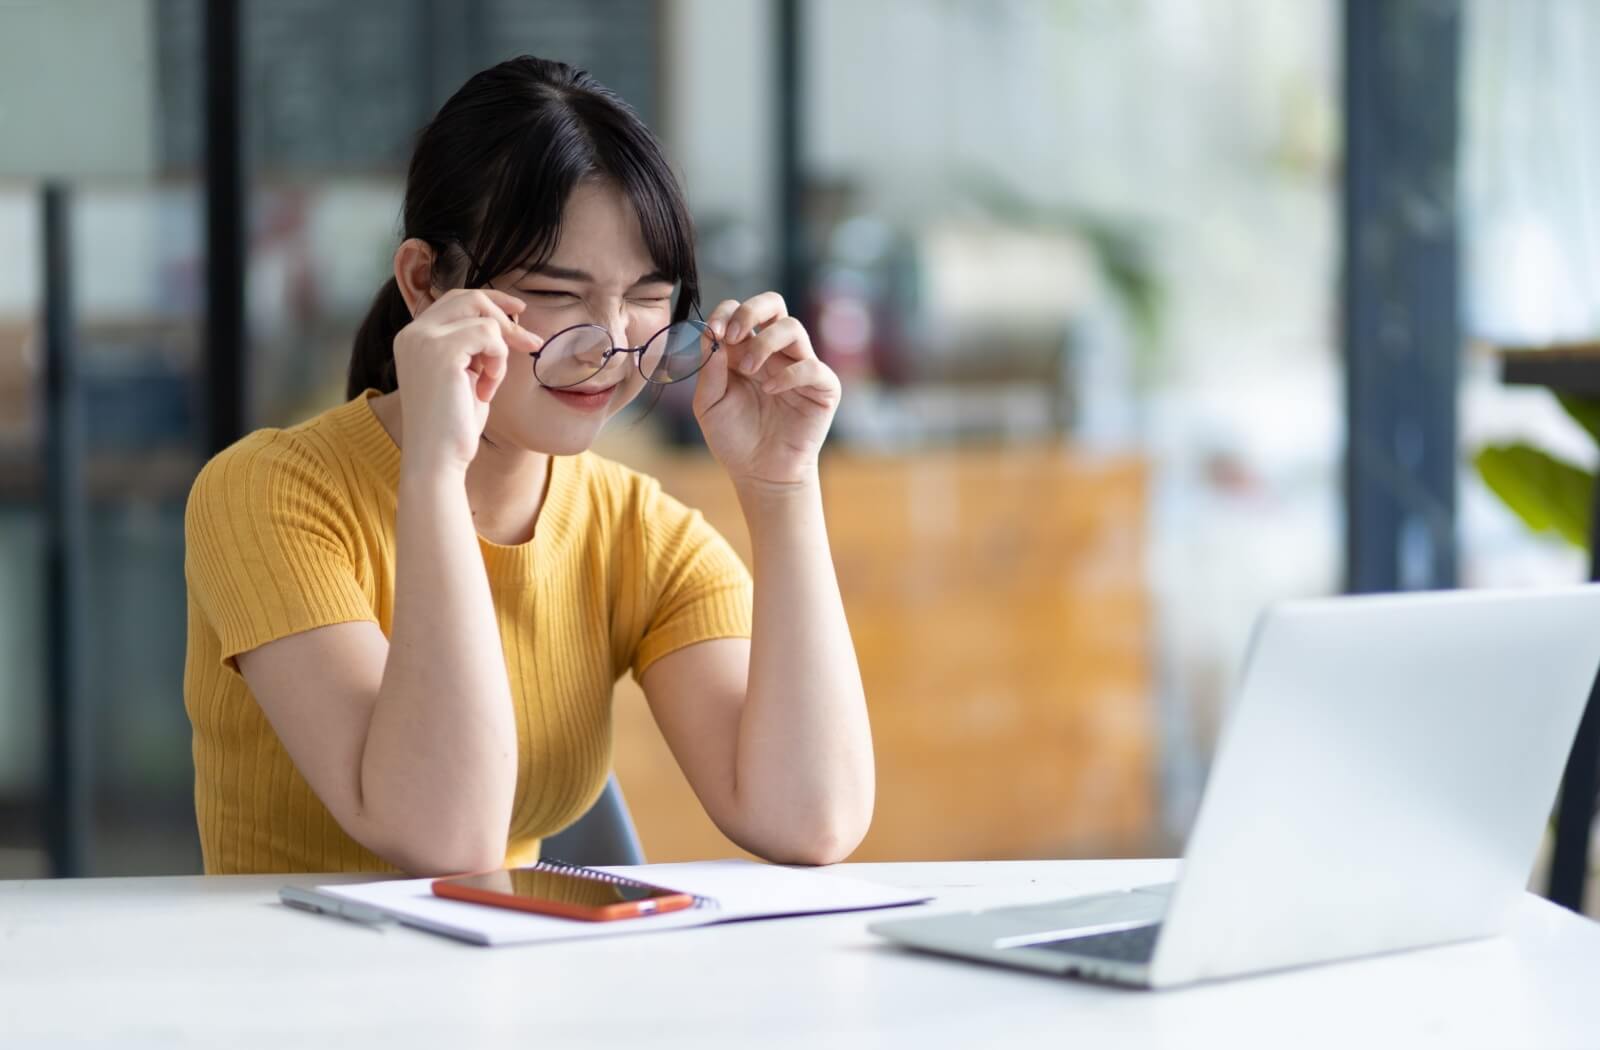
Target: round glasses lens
{"x":677,"y":353}
{"x":573,"y":356}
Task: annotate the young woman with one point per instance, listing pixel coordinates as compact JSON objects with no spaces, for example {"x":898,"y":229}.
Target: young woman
{"x":406,"y":615}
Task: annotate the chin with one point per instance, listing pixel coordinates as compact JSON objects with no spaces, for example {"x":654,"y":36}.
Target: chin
{"x":565,"y":444}
{"x":566,"y":440}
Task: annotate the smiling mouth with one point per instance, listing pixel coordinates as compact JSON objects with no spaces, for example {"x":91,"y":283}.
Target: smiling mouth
{"x":585,"y":399}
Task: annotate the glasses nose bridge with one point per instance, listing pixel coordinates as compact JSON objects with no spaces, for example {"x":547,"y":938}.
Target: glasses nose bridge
{"x":616,"y":327}
{"x":620,"y":348}
{"x":634,"y":352}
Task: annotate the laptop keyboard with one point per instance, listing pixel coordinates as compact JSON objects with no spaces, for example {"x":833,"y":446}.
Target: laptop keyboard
{"x":1137,"y":945}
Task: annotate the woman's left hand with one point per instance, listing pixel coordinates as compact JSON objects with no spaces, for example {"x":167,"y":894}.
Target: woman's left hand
{"x":764,"y":400}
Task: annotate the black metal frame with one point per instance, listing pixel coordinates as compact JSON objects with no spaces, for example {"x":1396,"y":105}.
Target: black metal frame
{"x":789,"y":52}
{"x":226,"y":371}
{"x":699,"y":325}
{"x":1577,"y":374}
{"x":1402,"y":330}
{"x":1580,"y":782}
{"x":67,"y":800}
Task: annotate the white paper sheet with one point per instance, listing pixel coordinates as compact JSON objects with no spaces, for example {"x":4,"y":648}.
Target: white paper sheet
{"x":741,"y":889}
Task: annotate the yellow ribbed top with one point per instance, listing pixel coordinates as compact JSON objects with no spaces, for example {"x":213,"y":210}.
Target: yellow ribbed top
{"x":293,"y":529}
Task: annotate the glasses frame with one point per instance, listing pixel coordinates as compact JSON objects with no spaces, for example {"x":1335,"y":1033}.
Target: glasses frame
{"x":638,"y":360}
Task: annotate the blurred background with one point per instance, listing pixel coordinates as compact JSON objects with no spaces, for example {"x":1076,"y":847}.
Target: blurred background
{"x":1150,"y":312}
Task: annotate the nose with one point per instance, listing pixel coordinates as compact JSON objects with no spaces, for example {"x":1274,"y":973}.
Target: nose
{"x":617,"y":327}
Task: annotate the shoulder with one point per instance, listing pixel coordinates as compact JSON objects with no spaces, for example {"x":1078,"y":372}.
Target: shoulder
{"x":308,"y":454}
{"x":256,"y":466}
{"x":276,"y":477}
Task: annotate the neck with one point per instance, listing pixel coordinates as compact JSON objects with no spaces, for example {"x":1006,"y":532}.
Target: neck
{"x":505,"y":488}
{"x":505,"y":484}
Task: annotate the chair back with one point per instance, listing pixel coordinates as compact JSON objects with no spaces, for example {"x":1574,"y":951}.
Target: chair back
{"x":603,"y":835}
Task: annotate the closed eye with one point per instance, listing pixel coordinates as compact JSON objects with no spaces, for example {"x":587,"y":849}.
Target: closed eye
{"x":547,"y":293}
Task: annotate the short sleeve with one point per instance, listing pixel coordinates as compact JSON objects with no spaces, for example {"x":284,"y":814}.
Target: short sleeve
{"x":698,"y":589}
{"x":269,"y":546}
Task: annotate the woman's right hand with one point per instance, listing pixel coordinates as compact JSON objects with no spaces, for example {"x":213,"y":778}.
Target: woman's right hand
{"x":449,"y":362}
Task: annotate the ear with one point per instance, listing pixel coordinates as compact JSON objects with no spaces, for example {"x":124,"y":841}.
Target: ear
{"x":413,"y":272}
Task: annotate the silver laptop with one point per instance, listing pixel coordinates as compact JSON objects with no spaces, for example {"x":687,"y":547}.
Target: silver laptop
{"x":1381,"y":784}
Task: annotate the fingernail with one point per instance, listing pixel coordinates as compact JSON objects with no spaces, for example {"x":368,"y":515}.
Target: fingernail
{"x":749,"y":366}
{"x":717,"y":328}
{"x":734,"y":331}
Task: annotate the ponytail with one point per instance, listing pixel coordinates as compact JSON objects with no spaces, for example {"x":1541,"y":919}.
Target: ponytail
{"x":372,"y":359}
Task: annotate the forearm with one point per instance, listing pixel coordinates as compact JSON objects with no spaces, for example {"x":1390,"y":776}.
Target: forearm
{"x":804,"y":769}
{"x":440,"y":762}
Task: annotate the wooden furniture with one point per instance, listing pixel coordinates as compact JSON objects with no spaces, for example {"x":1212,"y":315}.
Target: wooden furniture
{"x":17,"y":382}
{"x":999,"y":609}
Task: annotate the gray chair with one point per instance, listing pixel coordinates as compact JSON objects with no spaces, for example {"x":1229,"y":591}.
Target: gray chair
{"x":603,"y":835}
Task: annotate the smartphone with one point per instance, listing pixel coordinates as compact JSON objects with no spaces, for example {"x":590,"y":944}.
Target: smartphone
{"x":572,"y":893}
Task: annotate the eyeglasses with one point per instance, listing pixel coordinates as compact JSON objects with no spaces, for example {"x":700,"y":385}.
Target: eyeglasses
{"x":575,"y":355}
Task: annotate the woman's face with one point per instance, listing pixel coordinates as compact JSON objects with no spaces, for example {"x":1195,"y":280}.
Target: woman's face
{"x":600,"y":273}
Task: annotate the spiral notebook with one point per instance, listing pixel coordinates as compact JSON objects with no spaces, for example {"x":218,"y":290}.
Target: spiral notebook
{"x":725,"y":891}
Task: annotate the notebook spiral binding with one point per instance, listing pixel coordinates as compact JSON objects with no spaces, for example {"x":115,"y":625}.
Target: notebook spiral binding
{"x":552,"y":864}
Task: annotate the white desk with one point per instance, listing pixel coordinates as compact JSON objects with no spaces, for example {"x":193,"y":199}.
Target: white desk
{"x":136,"y":963}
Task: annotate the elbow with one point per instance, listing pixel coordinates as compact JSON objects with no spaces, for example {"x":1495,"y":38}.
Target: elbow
{"x":424,"y":853}
{"x":446,"y":837}
{"x":444,"y":864}
{"x":828,"y":841}
{"x":817,"y":855}
{"x":428,"y":862}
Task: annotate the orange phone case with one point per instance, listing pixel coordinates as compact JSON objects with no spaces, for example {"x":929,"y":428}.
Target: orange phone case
{"x":541,"y":906}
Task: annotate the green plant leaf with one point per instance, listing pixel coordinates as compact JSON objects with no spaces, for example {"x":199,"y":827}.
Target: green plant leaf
{"x":1548,"y":494}
{"x":1585,"y":410}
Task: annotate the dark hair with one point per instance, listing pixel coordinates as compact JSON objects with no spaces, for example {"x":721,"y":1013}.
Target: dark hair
{"x":490,"y":178}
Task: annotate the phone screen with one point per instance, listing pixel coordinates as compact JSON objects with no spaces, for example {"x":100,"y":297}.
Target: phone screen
{"x":564,"y":887}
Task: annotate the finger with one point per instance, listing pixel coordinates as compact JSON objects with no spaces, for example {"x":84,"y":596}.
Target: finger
{"x":475,"y":336}
{"x":810,"y":377}
{"x":522,"y":340}
{"x":461,"y":303}
{"x":509,"y":304}
{"x":463,"y":309}
{"x":718,"y":321}
{"x":478,"y":346}
{"x":492,"y":305}
{"x":471,"y":333}
{"x":491,"y":368}
{"x":711,"y":383}
{"x":478,"y":302}
{"x":785,"y":336}
{"x":756,"y":311}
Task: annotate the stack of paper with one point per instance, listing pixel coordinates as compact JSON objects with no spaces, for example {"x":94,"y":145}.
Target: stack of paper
{"x":733,"y":889}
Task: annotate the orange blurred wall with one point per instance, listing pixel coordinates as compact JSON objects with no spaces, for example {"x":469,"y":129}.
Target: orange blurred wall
{"x":998,"y":603}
